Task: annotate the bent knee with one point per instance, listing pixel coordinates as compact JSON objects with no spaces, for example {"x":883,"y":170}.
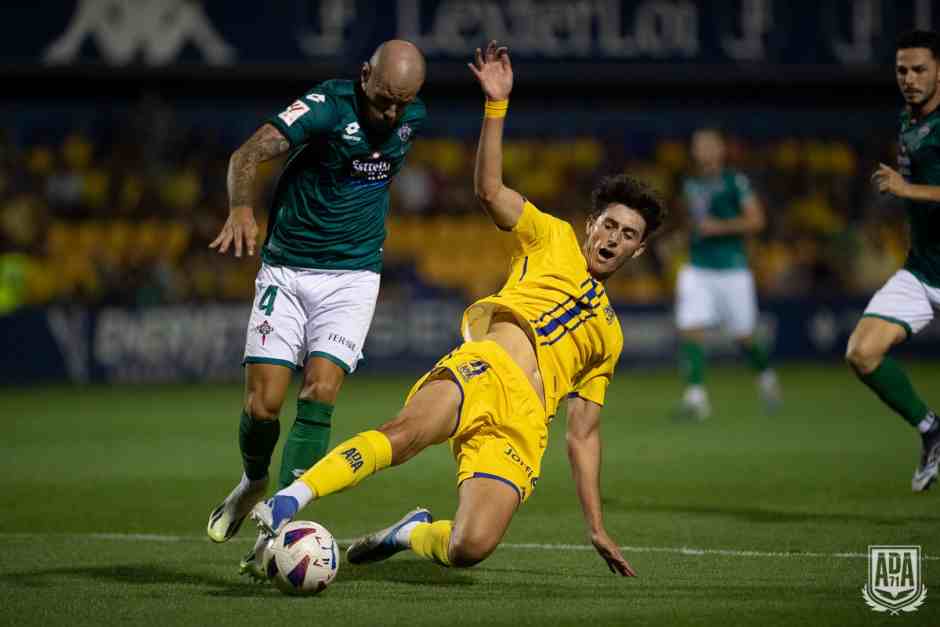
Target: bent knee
{"x":864,"y":357}
{"x":870,"y":342}
{"x":469,"y":549}
{"x":318,"y":390}
{"x":262,"y":406}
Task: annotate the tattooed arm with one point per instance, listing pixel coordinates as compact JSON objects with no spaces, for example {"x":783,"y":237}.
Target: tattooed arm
{"x":265,"y":144}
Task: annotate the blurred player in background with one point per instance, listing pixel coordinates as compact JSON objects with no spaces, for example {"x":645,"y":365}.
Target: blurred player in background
{"x":549,"y":334}
{"x":906,"y":303}
{"x":316,"y":291}
{"x":716,"y":287}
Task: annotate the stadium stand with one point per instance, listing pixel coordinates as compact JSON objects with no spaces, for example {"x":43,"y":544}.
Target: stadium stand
{"x":92,"y":217}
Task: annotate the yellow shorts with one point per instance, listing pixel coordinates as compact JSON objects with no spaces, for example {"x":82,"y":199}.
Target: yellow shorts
{"x":502,"y":429}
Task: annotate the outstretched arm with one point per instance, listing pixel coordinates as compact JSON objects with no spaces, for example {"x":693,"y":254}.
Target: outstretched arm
{"x":584,"y":454}
{"x":240,"y":227}
{"x":494,"y":72}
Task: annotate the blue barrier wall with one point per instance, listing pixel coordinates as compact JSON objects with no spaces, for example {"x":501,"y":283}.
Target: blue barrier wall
{"x":195,"y":343}
{"x":744,"y":38}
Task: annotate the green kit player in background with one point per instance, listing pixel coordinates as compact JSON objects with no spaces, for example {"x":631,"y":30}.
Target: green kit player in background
{"x":906,"y":303}
{"x":716,"y":287}
{"x":316,"y":291}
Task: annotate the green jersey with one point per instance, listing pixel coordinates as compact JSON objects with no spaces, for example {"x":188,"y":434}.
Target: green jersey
{"x":919,"y":163}
{"x":723,"y":198}
{"x":331,"y":200}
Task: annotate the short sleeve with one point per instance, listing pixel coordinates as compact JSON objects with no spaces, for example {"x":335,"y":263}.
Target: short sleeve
{"x":593,"y":385}
{"x":417,"y":116}
{"x":594,"y":389}
{"x":312,"y":115}
{"x":533,"y":229}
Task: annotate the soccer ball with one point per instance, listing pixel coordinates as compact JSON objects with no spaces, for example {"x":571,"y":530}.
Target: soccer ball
{"x":302,"y":559}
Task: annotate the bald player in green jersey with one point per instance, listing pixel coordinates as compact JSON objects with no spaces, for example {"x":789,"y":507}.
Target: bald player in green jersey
{"x":908,"y":301}
{"x":316,"y":291}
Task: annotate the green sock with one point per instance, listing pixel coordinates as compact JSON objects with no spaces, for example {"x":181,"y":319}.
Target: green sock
{"x":757,"y":356}
{"x":308,"y":441}
{"x":893,"y":387}
{"x":692,"y":362}
{"x":257,"y":439}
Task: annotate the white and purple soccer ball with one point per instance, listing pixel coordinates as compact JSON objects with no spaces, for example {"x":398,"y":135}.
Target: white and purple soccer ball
{"x":302,"y":559}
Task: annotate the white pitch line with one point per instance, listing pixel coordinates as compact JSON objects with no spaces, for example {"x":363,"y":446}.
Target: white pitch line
{"x":684,"y":550}
{"x":695,"y":552}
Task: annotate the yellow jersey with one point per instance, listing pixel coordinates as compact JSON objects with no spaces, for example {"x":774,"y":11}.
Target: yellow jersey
{"x":577,"y":335}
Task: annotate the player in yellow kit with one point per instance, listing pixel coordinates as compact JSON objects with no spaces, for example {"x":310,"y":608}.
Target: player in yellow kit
{"x":550,"y":333}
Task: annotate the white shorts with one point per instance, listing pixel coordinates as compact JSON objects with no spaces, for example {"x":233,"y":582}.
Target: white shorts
{"x":707,"y":298}
{"x":905,"y":300}
{"x":300,"y":313}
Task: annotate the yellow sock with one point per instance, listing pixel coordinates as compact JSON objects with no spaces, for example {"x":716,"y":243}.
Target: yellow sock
{"x":431,"y":540}
{"x":349,"y":463}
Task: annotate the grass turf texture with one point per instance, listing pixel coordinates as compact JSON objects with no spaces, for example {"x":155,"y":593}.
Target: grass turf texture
{"x":829,"y":474}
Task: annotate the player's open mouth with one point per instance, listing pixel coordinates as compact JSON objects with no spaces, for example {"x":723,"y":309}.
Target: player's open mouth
{"x":605,"y":254}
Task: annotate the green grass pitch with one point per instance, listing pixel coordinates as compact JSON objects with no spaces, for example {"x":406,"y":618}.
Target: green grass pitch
{"x":105,"y":494}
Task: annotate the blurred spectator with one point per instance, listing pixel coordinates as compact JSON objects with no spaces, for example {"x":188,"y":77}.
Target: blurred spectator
{"x":122,"y":212}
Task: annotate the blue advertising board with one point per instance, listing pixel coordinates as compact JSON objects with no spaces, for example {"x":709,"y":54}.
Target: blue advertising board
{"x":205,"y":342}
{"x":557,"y":39}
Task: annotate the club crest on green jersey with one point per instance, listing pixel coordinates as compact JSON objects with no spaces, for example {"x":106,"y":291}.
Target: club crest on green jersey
{"x":350,"y":132}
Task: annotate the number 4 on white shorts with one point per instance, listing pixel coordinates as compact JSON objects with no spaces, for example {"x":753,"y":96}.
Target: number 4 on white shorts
{"x":266,"y":304}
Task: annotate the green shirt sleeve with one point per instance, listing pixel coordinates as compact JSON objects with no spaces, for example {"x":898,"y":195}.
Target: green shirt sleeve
{"x":743,"y":187}
{"x":419,"y":117}
{"x":314,"y":114}
{"x":696,"y":202}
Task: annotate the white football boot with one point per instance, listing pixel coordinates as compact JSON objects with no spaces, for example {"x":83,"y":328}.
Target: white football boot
{"x":695,"y":403}
{"x":252,"y":565}
{"x":226,"y":519}
{"x":270,"y":516}
{"x":770,"y":392}
{"x":387,"y":542}
{"x":929,"y":466}
{"x":273,"y":514}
